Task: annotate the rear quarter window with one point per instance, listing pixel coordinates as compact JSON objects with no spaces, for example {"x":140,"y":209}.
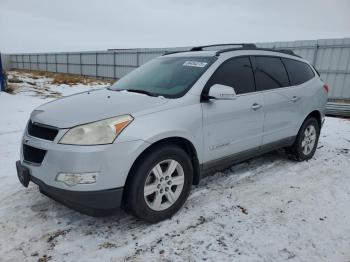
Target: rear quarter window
{"x":299,"y":72}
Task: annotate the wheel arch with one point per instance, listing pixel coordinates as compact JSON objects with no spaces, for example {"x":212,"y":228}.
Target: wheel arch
{"x":294,"y":149}
{"x":183,"y":143}
{"x":317,"y":115}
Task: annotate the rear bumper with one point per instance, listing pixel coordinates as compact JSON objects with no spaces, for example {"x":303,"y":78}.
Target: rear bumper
{"x":93,"y":203}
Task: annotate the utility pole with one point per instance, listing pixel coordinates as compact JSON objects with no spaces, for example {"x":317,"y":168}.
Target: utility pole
{"x":2,"y":77}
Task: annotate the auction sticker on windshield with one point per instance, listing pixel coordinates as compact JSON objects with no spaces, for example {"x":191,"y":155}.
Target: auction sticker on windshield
{"x":195,"y":64}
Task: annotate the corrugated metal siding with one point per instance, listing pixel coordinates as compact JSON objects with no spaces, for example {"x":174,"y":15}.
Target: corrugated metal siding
{"x":74,"y":69}
{"x":121,"y":71}
{"x":331,"y":57}
{"x":62,"y":68}
{"x":334,"y":65}
{"x":6,"y":61}
{"x":338,"y":109}
{"x":88,"y":59}
{"x":127,"y":59}
{"x":89,"y":70}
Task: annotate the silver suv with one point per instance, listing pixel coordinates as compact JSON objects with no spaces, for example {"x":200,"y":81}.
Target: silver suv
{"x":142,"y":143}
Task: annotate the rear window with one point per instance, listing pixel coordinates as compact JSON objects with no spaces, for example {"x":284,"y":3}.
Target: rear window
{"x":270,"y":73}
{"x":299,"y":72}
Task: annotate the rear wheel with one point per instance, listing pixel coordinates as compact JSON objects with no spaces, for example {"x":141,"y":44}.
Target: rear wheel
{"x":306,"y":142}
{"x":160,"y":183}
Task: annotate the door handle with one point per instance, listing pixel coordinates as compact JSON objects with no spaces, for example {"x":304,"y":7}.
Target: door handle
{"x":294,"y":99}
{"x":256,"y":106}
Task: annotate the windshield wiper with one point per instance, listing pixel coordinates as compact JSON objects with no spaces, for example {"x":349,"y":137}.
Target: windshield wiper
{"x":140,"y":92}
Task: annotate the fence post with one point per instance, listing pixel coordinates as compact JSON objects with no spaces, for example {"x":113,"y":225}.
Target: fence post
{"x":15,"y":61}
{"x":46,"y":65}
{"x":55,"y":63}
{"x":81,"y":65}
{"x":67,"y":64}
{"x":114,"y":67}
{"x":315,"y":55}
{"x":137,"y":58}
{"x":2,"y":77}
{"x":96,"y":73}
{"x":37,"y":62}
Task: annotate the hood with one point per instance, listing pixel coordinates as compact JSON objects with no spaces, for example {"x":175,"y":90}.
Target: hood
{"x":93,"y":106}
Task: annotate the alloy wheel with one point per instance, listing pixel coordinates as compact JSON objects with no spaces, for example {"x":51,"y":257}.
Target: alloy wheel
{"x":309,"y":140}
{"x":164,"y":184}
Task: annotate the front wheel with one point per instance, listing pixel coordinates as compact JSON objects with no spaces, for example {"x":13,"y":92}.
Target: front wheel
{"x":160,"y":183}
{"x":306,"y":142}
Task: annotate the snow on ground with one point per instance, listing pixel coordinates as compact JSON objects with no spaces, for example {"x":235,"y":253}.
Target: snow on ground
{"x":266,"y":209}
{"x":50,"y":85}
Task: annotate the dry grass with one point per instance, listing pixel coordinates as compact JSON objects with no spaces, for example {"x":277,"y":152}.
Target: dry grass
{"x":10,"y":88}
{"x":40,"y":83}
{"x":67,"y":79}
{"x":39,"y":91}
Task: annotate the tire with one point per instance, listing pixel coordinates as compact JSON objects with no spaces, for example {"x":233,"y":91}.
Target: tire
{"x":166,"y":195}
{"x":298,"y":150}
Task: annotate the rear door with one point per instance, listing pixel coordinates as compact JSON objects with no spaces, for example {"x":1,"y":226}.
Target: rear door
{"x":233,"y":126}
{"x":281,"y":100}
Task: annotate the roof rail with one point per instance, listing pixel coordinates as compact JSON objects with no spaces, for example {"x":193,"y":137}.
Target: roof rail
{"x":241,"y":45}
{"x":284,"y":51}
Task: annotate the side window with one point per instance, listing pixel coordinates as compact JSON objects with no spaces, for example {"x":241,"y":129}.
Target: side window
{"x":270,"y":73}
{"x":299,"y":72}
{"x":237,"y":73}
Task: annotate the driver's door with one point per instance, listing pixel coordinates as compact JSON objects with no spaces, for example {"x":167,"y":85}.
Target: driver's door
{"x":233,"y":127}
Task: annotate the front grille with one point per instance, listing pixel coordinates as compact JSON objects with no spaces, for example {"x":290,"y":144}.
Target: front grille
{"x":33,"y":155}
{"x":41,"y":131}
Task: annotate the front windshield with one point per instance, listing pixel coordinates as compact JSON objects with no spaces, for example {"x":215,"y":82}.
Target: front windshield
{"x":165,"y":76}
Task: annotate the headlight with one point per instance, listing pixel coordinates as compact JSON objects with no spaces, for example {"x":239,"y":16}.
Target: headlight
{"x":97,"y":133}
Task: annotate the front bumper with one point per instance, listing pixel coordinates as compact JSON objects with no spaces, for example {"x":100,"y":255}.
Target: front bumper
{"x":94,"y":203}
{"x":112,"y":162}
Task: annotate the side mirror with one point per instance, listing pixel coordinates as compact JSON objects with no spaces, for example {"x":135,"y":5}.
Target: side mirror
{"x":221,"y":92}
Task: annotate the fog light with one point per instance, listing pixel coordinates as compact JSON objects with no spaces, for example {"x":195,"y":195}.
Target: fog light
{"x":72,"y":179}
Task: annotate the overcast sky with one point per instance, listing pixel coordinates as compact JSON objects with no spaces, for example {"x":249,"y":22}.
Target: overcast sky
{"x":76,"y":25}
